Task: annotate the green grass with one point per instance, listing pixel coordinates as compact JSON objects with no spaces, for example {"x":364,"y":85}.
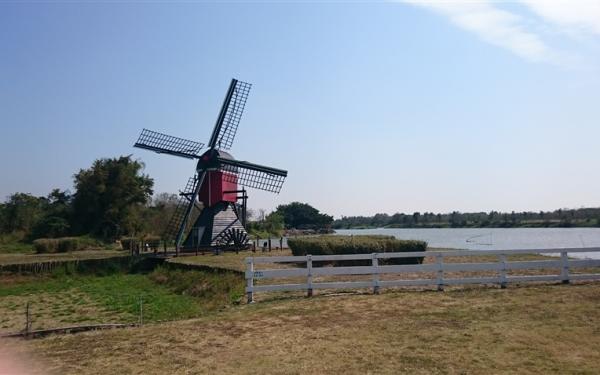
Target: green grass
{"x":13,"y":244}
{"x":165,"y":294}
{"x":122,"y":293}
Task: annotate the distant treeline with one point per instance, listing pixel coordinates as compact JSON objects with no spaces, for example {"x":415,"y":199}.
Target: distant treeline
{"x":581,"y":217}
{"x":112,"y":198}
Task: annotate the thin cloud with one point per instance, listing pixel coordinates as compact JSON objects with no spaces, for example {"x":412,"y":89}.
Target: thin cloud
{"x":580,"y":16}
{"x":510,"y":30}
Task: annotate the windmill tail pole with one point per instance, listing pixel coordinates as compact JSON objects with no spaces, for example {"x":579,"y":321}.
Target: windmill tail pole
{"x":183,"y":225}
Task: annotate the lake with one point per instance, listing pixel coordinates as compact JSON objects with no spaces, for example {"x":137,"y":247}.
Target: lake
{"x":495,"y":238}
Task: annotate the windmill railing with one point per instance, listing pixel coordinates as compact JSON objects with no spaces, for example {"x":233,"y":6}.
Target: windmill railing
{"x":300,"y":273}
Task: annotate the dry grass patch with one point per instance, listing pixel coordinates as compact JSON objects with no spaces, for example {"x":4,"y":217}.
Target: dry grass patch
{"x":51,"y":310}
{"x":231,"y":260}
{"x":536,"y":329}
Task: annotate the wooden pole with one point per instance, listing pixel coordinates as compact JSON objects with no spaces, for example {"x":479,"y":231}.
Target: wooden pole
{"x":27,"y":320}
{"x":309,"y":277}
{"x":440,"y":273}
{"x":503,"y":279}
{"x":249,"y":280}
{"x":565,"y":267}
{"x":375,"y":264}
{"x":141,"y":311}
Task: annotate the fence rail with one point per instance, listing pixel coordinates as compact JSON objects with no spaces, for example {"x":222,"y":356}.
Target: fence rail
{"x":501,"y":266}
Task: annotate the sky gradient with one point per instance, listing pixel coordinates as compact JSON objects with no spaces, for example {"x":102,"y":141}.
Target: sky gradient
{"x":386,"y":107}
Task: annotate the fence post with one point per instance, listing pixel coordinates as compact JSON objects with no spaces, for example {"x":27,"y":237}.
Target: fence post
{"x":309,"y":277}
{"x":27,"y":321}
{"x":141,"y":311}
{"x":503,"y":279}
{"x":565,"y":267}
{"x":249,"y":280}
{"x":375,"y":264}
{"x":440,"y":273}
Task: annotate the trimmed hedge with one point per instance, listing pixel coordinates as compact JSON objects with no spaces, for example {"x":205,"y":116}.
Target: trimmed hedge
{"x":335,"y":245}
{"x":64,"y":244}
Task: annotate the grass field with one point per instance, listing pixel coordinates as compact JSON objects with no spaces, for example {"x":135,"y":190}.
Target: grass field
{"x":63,"y":300}
{"x":20,"y":258}
{"x":533,"y":329}
{"x":525,"y":329}
{"x":228,"y":260}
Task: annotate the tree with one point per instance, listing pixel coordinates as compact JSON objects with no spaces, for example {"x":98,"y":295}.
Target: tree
{"x":110,"y":196}
{"x":416,"y":216}
{"x":22,"y":212}
{"x":273,"y":223}
{"x":250,"y":214}
{"x":261,"y":214}
{"x":57,"y":216}
{"x":303,"y":216}
{"x":157,"y":215}
{"x":454,"y":220}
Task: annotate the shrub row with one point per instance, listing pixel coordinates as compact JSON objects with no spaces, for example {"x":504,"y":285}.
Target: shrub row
{"x":334,"y":245}
{"x":128,"y":243}
{"x":64,"y":244}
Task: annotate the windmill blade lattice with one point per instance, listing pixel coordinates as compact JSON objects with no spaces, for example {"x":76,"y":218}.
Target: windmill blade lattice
{"x":167,"y":144}
{"x":230,"y":115}
{"x":253,"y":175}
{"x":185,"y":199}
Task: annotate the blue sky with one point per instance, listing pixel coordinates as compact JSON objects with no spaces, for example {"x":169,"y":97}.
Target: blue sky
{"x":371,"y":107}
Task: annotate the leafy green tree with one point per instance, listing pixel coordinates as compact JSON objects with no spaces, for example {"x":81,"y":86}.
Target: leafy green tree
{"x":273,"y":223}
{"x":57,"y":215}
{"x":3,"y":219}
{"x":303,"y":216}
{"x":110,"y":197}
{"x":21,"y":212}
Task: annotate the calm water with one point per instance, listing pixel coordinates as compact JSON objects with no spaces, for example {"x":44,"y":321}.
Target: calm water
{"x":495,"y":238}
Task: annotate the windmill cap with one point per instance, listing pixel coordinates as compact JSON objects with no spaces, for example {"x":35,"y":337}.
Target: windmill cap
{"x":210,"y":159}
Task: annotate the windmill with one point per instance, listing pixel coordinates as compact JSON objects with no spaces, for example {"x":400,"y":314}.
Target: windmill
{"x":208,"y":214}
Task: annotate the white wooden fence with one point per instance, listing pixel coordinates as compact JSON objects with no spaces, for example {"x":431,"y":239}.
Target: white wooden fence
{"x":563,"y":264}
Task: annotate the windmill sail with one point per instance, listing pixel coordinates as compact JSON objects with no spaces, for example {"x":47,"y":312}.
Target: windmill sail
{"x":253,"y":175}
{"x":230,"y":115}
{"x":167,"y":144}
{"x":186,"y":198}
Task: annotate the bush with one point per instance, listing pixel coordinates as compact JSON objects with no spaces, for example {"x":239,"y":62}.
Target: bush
{"x":67,"y":244}
{"x":45,"y":245}
{"x":64,"y":244}
{"x":336,"y":245}
{"x":216,"y":289}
